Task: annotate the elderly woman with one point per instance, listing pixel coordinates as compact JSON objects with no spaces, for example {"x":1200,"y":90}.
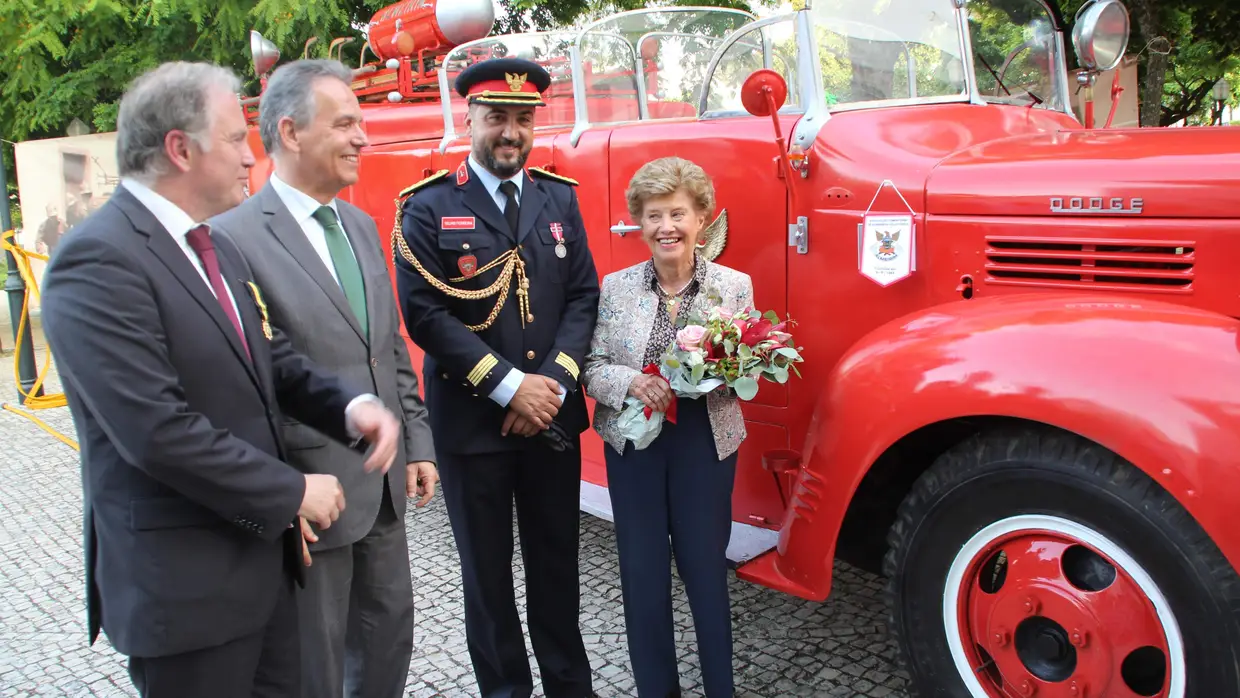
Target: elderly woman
{"x":681,"y":484}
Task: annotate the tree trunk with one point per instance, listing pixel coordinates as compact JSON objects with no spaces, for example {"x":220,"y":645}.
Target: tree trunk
{"x":1155,"y":63}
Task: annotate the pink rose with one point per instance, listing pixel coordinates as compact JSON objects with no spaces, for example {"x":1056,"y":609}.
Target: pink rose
{"x":690,"y":337}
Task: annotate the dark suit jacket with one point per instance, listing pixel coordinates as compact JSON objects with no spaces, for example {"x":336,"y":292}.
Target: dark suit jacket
{"x":188,"y":503}
{"x":452,"y":222}
{"x":308,"y":306}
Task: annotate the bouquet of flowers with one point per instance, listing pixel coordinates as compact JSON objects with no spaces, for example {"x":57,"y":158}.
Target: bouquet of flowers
{"x":712,"y":351}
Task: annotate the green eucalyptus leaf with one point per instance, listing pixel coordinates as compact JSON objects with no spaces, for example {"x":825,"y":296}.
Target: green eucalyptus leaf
{"x":746,"y":388}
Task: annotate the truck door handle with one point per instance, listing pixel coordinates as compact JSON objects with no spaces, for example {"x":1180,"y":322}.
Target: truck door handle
{"x":621,"y":229}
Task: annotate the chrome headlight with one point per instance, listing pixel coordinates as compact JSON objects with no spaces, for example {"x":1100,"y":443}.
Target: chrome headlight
{"x":1100,"y":34}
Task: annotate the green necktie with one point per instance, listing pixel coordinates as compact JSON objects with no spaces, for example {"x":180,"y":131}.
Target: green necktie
{"x":346,"y":264}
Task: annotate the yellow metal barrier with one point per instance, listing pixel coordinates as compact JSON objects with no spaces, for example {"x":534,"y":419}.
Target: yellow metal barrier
{"x":32,"y":399}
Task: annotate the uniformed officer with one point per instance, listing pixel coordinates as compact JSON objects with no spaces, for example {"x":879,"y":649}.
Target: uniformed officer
{"x":500,"y":291}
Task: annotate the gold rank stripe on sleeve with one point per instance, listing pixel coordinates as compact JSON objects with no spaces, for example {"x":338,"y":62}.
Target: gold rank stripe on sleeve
{"x":568,"y":364}
{"x":481,"y":369}
{"x":552,"y":176}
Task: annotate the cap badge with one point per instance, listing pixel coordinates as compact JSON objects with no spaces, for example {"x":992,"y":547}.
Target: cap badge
{"x":515,"y":82}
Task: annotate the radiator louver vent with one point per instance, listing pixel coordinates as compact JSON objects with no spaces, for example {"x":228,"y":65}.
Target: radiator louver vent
{"x":1157,"y":266}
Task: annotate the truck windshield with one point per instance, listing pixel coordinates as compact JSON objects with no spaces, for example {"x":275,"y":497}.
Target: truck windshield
{"x":882,"y":50}
{"x":1016,"y":53}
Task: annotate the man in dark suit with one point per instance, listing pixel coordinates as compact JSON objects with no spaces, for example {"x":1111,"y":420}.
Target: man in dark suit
{"x":177,"y":384}
{"x":327,"y":288}
{"x":499,"y":289}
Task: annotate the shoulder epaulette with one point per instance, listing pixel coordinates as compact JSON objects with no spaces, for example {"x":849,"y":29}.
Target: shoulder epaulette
{"x":409,"y":190}
{"x":552,"y":176}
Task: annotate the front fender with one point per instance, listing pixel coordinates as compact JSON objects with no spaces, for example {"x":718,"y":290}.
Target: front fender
{"x":1157,"y":383}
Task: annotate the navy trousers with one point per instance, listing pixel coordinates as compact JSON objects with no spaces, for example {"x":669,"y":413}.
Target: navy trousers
{"x":676,"y":487}
{"x":546,"y":486}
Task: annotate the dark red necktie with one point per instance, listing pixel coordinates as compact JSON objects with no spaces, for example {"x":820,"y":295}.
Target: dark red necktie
{"x":199,"y":239}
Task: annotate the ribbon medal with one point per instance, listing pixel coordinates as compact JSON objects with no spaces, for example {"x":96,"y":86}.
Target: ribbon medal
{"x":557,"y":232}
{"x":262,"y":308}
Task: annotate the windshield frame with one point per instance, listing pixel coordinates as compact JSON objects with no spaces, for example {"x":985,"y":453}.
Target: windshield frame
{"x":767,"y":56}
{"x":1059,"y":74}
{"x":971,"y":93}
{"x":583,"y":123}
{"x":813,"y":113}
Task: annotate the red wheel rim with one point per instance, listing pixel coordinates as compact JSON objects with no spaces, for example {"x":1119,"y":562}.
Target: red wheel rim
{"x":1041,"y":611}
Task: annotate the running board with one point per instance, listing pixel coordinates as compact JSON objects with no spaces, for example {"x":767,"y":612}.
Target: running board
{"x":747,"y":541}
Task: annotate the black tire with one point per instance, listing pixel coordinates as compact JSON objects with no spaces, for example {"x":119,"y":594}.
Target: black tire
{"x":1038,"y":471}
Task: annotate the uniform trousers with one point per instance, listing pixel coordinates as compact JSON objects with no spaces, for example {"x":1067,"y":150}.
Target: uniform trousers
{"x":479,"y":490}
{"x":678,"y":489}
{"x":264,"y":664}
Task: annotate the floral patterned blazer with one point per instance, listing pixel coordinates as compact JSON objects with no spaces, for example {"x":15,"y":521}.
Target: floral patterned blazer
{"x":628,"y":306}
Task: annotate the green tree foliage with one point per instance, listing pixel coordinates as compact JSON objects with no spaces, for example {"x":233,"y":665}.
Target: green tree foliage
{"x":1205,"y":46}
{"x":67,"y":59}
{"x":1185,"y":46}
{"x":73,"y":58}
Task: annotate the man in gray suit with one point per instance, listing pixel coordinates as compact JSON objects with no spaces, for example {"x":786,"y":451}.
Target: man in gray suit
{"x":326,"y":284}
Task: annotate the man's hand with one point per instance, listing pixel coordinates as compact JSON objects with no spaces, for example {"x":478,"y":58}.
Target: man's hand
{"x":420,"y":479}
{"x":323,"y":501}
{"x":307,"y":534}
{"x":537,"y":399}
{"x":378,"y":426}
{"x":516,"y":424}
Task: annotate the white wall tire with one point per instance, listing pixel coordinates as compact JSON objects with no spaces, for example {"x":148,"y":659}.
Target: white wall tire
{"x":1030,"y":563}
{"x":982,"y":546}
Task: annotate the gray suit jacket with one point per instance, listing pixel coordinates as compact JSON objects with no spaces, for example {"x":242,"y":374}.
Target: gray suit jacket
{"x":308,"y":306}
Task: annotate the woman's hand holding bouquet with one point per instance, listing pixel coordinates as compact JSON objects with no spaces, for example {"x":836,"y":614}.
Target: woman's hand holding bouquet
{"x":712,"y":351}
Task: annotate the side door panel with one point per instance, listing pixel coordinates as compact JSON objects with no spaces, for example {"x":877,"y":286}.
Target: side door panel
{"x":738,"y":155}
{"x":587,"y":163}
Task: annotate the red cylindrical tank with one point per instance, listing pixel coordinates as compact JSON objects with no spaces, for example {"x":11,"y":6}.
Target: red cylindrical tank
{"x":404,"y":28}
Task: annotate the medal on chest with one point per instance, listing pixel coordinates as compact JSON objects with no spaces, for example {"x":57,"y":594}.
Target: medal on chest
{"x":557,"y":232}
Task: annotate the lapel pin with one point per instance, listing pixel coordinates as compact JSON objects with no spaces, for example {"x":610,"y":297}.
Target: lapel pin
{"x":262,"y":308}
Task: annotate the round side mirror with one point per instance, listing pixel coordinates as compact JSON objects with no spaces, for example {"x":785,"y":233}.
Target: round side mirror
{"x":263,"y":53}
{"x":1100,"y":34}
{"x":756,"y":88}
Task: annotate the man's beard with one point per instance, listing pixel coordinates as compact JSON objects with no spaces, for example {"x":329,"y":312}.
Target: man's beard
{"x":501,"y":170}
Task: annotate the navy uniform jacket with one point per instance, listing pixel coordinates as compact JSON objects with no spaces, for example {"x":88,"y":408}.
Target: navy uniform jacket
{"x":452,"y":226}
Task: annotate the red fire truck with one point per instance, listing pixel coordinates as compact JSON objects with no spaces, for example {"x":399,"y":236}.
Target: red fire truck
{"x":1021,"y":395}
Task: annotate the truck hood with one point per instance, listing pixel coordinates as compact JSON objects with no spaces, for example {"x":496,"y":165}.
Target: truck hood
{"x":1147,"y":173}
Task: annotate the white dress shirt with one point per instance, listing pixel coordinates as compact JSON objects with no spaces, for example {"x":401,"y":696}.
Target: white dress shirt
{"x":178,"y":224}
{"x":491,"y":182}
{"x":503,"y":392}
{"x":303,"y":206}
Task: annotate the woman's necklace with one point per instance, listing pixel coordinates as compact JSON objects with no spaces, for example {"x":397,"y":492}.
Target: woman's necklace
{"x":672,"y":298}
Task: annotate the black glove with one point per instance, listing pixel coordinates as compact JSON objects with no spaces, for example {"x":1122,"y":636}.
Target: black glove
{"x":556,"y":438}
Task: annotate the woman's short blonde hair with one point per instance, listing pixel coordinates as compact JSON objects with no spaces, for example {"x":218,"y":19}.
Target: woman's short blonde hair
{"x":666,"y":176}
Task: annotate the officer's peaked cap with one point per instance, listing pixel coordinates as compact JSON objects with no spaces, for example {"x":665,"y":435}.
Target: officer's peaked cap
{"x":504,"y":81}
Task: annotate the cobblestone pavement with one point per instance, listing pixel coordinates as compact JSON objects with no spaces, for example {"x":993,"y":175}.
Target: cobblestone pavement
{"x":783,"y":646}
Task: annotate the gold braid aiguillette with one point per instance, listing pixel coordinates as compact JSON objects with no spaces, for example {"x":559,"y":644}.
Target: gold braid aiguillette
{"x":512,"y":265}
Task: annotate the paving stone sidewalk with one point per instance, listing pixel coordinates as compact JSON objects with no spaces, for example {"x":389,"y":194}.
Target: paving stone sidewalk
{"x":783,"y":646}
